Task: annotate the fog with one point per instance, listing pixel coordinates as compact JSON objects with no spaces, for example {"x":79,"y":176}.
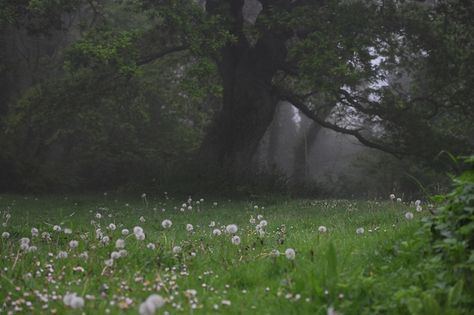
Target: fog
{"x":302,"y":152}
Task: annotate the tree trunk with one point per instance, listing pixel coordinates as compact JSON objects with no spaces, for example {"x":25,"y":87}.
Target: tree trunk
{"x":248,"y":102}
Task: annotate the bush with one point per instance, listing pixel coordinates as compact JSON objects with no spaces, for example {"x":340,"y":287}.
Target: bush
{"x":453,"y":223}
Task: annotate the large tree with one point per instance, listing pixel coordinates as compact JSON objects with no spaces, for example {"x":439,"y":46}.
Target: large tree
{"x":374,"y":70}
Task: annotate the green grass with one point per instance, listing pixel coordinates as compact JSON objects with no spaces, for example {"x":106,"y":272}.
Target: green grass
{"x":387,"y":270}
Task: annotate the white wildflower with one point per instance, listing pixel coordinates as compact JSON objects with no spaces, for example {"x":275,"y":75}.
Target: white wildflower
{"x":34,"y":232}
{"x":120,"y":243}
{"x":274,"y":253}
{"x":360,"y":230}
{"x":62,"y":255}
{"x":125,"y":232}
{"x":137,"y":230}
{"x":322,"y":229}
{"x":216,"y":232}
{"x":105,"y":240}
{"x":189,"y":227}
{"x":151,"y":246}
{"x":109,"y":262}
{"x":236,"y":240}
{"x":77,"y":302}
{"x":231,"y":229}
{"x":177,"y":249}
{"x":290,"y":253}
{"x":73,"y":244}
{"x":166,"y":224}
{"x":114,"y":255}
{"x":409,"y":215}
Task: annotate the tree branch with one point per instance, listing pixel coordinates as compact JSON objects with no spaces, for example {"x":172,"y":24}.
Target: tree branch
{"x":295,"y":101}
{"x":158,"y":55}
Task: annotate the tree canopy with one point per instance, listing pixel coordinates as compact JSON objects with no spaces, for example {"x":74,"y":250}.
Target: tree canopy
{"x":146,"y":81}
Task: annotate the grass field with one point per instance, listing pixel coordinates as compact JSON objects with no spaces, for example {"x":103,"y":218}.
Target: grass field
{"x":338,"y":271}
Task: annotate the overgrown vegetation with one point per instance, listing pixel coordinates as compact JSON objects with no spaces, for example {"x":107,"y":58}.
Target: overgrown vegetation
{"x":453,"y":227}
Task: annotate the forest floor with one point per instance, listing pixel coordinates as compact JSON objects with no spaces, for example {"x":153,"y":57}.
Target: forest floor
{"x":350,"y":257}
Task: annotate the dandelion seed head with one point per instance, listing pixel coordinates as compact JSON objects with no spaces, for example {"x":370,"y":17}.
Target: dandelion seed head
{"x":290,"y":253}
{"x":322,"y":229}
{"x":73,"y":244}
{"x":120,"y":243}
{"x":231,"y":229}
{"x":236,"y":240}
{"x":166,"y":224}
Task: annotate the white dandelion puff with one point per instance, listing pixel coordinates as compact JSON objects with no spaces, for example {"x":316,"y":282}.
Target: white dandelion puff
{"x":290,"y":253}
{"x":231,"y":229}
{"x":62,"y":255}
{"x":151,"y":246}
{"x":114,"y":255}
{"x":120,"y":243}
{"x":137,"y":230}
{"x":177,"y":249}
{"x":322,"y":229}
{"x":274,"y":253}
{"x":166,"y":224}
{"x":236,"y":240}
{"x":140,"y":236}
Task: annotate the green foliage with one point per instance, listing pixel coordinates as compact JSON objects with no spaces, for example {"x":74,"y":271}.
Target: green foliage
{"x":104,"y":48}
{"x":453,"y":224}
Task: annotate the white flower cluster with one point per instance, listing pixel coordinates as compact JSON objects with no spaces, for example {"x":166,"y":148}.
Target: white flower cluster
{"x":73,"y":301}
{"x":151,"y":304}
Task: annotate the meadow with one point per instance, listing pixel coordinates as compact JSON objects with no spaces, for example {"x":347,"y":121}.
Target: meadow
{"x":270,"y":255}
